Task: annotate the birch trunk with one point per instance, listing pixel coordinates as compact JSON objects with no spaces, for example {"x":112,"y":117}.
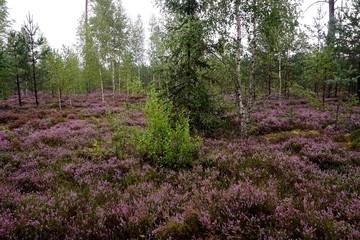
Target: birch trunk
{"x":113,"y":77}
{"x":119,"y":78}
{"x":102,"y":86}
{"x":242,"y":111}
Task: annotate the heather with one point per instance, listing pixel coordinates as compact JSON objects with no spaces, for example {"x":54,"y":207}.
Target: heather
{"x":78,"y":173}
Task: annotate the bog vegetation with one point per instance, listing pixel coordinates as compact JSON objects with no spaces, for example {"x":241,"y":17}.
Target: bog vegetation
{"x":236,"y":123}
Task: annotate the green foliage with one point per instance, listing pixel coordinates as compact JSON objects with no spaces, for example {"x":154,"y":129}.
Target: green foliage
{"x":3,"y":18}
{"x":168,"y":145}
{"x":121,"y":144}
{"x":5,"y":90}
{"x":309,"y":95}
{"x":186,"y":62}
{"x":355,"y":138}
{"x":136,"y":87}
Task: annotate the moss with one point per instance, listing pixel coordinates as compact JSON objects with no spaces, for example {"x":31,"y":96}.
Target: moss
{"x":340,"y":138}
{"x":52,"y":141}
{"x":283,"y":136}
{"x":188,"y":228}
{"x":294,"y":147}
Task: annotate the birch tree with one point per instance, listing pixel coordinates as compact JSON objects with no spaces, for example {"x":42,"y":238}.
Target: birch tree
{"x":137,"y":44}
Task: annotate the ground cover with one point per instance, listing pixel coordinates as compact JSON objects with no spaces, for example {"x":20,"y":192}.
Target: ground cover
{"x":73,"y":174}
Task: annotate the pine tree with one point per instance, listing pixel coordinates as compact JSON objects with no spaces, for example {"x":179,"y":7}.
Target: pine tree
{"x":34,"y":41}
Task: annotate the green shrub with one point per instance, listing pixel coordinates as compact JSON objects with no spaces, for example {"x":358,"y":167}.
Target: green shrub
{"x":136,"y":87}
{"x":168,"y":145}
{"x":355,"y":138}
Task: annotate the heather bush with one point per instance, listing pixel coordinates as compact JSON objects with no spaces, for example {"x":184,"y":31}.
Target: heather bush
{"x":37,"y":124}
{"x":169,"y":145}
{"x":71,"y":116}
{"x":19,"y":122}
{"x":5,"y":117}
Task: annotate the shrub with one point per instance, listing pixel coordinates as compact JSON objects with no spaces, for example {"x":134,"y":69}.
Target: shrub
{"x":136,"y":87}
{"x":19,"y":122}
{"x":169,"y":145}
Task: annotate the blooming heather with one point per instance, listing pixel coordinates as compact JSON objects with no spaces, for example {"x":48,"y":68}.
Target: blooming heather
{"x":296,"y":177}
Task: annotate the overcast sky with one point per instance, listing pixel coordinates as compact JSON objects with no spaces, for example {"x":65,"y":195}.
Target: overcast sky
{"x":58,"y":20}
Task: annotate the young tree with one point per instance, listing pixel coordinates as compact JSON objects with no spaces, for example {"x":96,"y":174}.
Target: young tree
{"x":186,"y":59}
{"x":137,"y":44}
{"x":242,"y":108}
{"x":56,"y":74}
{"x":4,"y":23}
{"x":34,"y":41}
{"x":17,"y":50}
{"x":278,"y":33}
{"x":104,"y":40}
{"x":348,"y":43}
{"x":4,"y":65}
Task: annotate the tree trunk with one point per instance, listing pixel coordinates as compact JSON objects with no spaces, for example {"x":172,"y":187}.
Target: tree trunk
{"x":358,"y":88}
{"x":329,"y":90}
{"x":336,"y":90}
{"x":252,"y":70}
{"x":139,"y":73}
{"x":101,"y":86}
{"x":113,"y":77}
{"x":119,"y":78}
{"x":59,"y":97}
{"x":52,"y":91}
{"x":280,"y":75}
{"x":269,"y":81}
{"x":86,"y":11}
{"x":34,"y":78}
{"x":331,"y":26}
{"x":18,"y":89}
{"x":358,"y":85}
{"x":242,"y":111}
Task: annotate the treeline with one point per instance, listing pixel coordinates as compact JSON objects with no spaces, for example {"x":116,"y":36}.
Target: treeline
{"x":199,"y":50}
{"x":110,"y":54}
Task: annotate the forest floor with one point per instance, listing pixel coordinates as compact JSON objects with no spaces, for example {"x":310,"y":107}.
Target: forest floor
{"x":63,"y":175}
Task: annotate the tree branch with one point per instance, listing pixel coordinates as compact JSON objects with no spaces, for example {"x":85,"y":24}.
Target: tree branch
{"x":323,"y":1}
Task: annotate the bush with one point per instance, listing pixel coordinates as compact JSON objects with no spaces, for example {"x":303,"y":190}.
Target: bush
{"x":169,"y":145}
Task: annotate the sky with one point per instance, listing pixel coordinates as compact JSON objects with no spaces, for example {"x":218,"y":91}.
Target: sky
{"x":58,"y":20}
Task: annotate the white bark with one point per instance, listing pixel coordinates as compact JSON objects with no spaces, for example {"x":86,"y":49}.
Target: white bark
{"x":242,"y":110}
{"x":102,"y":86}
{"x":59,"y":96}
{"x":119,"y":79}
{"x":113,"y":77}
